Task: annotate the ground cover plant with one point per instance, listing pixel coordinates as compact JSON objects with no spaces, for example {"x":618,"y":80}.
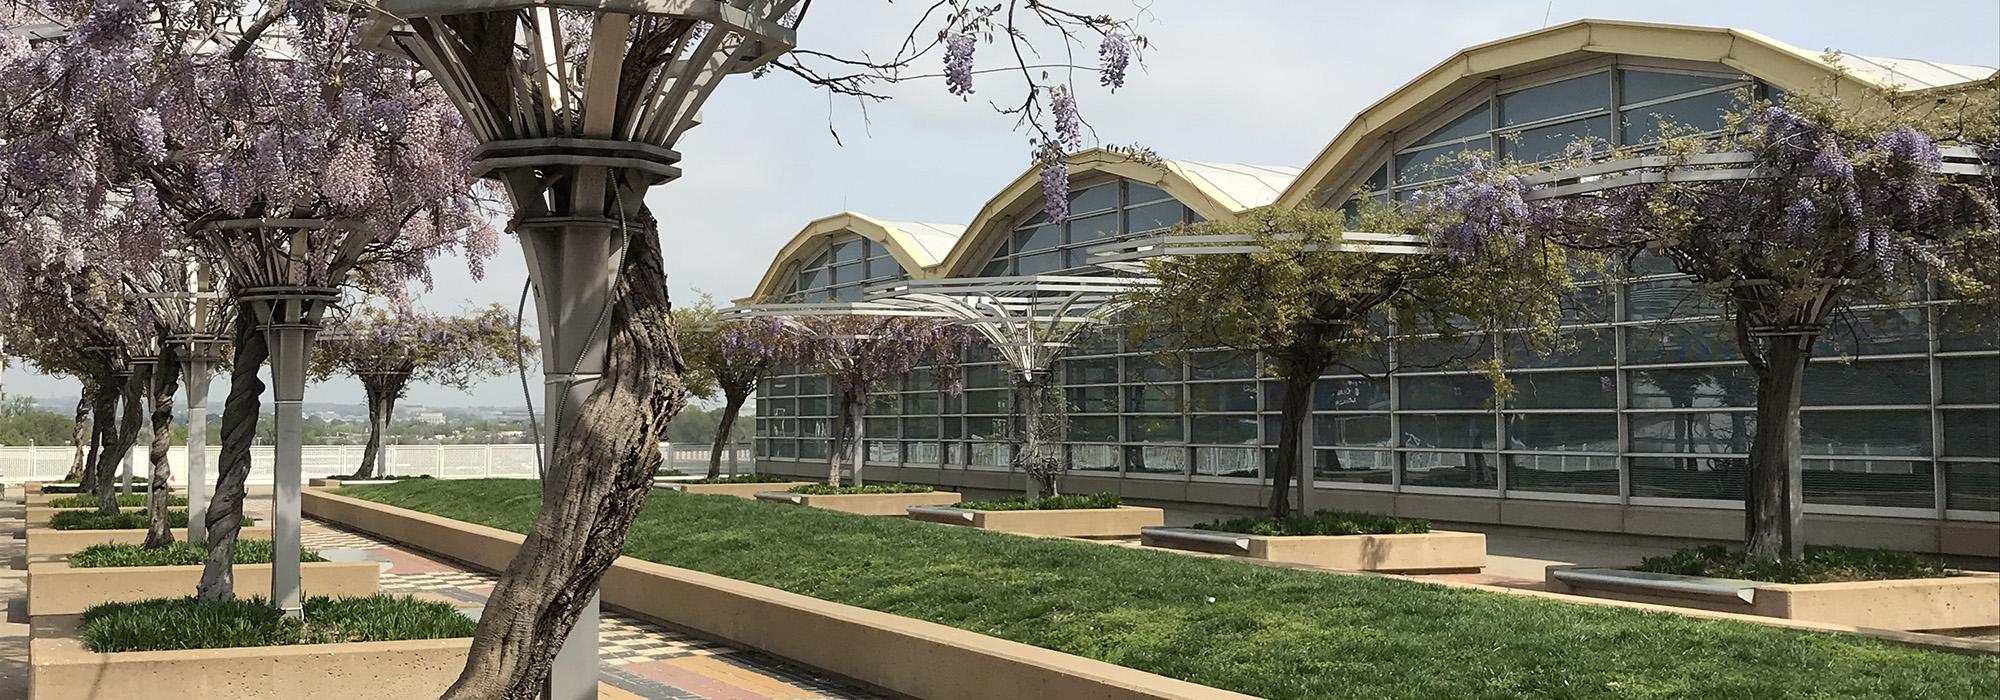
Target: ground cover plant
{"x":1065,"y":502}
{"x":138,"y":487}
{"x":1325,"y":522}
{"x":384,"y":477}
{"x":669,"y":472}
{"x":186,"y":623}
{"x":1270,"y":632}
{"x":99,"y":556}
{"x":124,"y":501}
{"x":1820,"y":565}
{"x":86,"y":520}
{"x":825,"y":490}
{"x":743,"y":479}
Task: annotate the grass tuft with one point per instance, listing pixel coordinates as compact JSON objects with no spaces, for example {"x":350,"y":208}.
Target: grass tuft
{"x":188,"y":623}
{"x":1325,"y":522}
{"x":669,"y":472}
{"x":1820,"y":565}
{"x":98,"y":556}
{"x":1067,"y":502}
{"x":124,"y":501}
{"x":91,"y":520}
{"x":138,"y":487}
{"x":385,"y":477}
{"x":825,"y":490}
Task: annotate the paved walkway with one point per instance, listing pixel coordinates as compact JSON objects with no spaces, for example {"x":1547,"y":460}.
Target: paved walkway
{"x":638,"y":659}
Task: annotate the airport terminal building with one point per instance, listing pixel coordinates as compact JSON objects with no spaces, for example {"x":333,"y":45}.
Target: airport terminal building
{"x":1642,"y":429}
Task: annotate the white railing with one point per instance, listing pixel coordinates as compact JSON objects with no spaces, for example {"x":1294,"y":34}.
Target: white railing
{"x":516,"y":461}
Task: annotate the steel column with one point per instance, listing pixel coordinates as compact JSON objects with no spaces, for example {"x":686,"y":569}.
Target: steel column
{"x":289,"y":348}
{"x":197,"y":450}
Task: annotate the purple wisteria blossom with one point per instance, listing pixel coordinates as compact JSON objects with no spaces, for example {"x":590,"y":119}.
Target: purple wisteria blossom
{"x":1114,"y":55}
{"x":958,"y":48}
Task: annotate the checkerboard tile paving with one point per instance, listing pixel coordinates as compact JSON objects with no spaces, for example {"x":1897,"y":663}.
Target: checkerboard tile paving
{"x":636,"y":657}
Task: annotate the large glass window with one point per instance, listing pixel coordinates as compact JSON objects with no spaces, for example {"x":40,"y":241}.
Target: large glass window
{"x":844,"y":270}
{"x":1096,"y":213}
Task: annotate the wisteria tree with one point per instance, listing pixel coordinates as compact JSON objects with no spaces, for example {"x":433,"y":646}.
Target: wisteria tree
{"x":728,"y":357}
{"x":387,"y":350}
{"x":163,"y":381}
{"x":1806,"y":208}
{"x":860,"y":354}
{"x":1307,"y":299}
{"x":291,"y":159}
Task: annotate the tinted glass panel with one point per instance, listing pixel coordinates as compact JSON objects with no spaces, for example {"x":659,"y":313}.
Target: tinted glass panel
{"x":848,"y":250}
{"x":1354,"y":466}
{"x":1449,"y":430}
{"x":1093,"y":228}
{"x":1472,"y":470}
{"x":1727,"y":433}
{"x":1223,"y":397}
{"x":1972,"y":485}
{"x":1433,"y":163}
{"x":1571,"y":96}
{"x":1351,"y":431}
{"x":1094,"y":199}
{"x":1564,"y":390}
{"x":1136,"y":193}
{"x":1222,"y":365}
{"x":1879,"y":332}
{"x":1679,"y":342}
{"x":1718,"y":478}
{"x":1641,"y":86}
{"x":1553,"y":141}
{"x":1155,"y":398}
{"x":1971,"y":379}
{"x":1103,"y":370}
{"x":1460,"y":392}
{"x":1090,"y":429}
{"x":1225,"y":430}
{"x":1863,"y":383}
{"x":1563,"y":474}
{"x":1472,"y":123}
{"x":1879,"y":483}
{"x":1096,"y":399}
{"x":1696,"y":387}
{"x":1153,"y":429}
{"x":1894,"y":433}
{"x":1038,"y":238}
{"x":1351,"y":395}
{"x":1038,"y":263}
{"x":1699,"y":113}
{"x":1153,"y":217}
{"x":1974,"y":433}
{"x":1563,"y":432}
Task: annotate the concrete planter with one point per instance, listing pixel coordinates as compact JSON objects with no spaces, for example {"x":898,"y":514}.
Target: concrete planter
{"x":337,"y":483}
{"x":43,"y":541}
{"x":38,"y":516}
{"x":56,"y":588}
{"x":1957,"y":602}
{"x":869,"y":646}
{"x":1122,"y":521}
{"x":737,"y":490}
{"x":1438,"y":551}
{"x":61,"y":669}
{"x":885,"y":504}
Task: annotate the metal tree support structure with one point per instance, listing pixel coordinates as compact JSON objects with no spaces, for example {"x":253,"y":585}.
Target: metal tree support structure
{"x":1031,"y":321}
{"x":577,"y":125}
{"x":1130,"y":255}
{"x":188,"y":301}
{"x":288,"y":305}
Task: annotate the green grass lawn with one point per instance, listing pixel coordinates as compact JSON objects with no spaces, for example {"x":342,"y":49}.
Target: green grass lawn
{"x":1276,"y":633}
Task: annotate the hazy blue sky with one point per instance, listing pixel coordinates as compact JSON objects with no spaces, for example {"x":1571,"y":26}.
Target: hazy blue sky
{"x":1250,"y":81}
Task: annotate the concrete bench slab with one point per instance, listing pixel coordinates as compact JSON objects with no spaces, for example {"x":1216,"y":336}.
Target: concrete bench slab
{"x":883,"y":504}
{"x":1122,"y":521}
{"x":1438,"y":551}
{"x":1971,"y":600}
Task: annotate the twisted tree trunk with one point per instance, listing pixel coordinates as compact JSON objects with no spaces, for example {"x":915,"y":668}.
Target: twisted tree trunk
{"x":598,"y":480}
{"x":732,"y":402}
{"x":166,"y":381}
{"x":239,"y":430}
{"x":1770,"y":500}
{"x":121,"y":438}
{"x":382,"y":394}
{"x":103,"y":429}
{"x":82,"y":436}
{"x":845,"y":430}
{"x":1295,"y":414}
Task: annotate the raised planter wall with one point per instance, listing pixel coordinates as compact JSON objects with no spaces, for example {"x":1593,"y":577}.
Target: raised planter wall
{"x":884,"y":504}
{"x":44,"y":541}
{"x":1438,"y":551}
{"x":737,"y":490}
{"x":55,"y":588}
{"x":1957,"y":602}
{"x":61,"y":669}
{"x":912,"y":657}
{"x":1123,"y":521}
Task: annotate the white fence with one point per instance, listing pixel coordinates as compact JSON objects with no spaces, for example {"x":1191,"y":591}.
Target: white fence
{"x":443,"y":461}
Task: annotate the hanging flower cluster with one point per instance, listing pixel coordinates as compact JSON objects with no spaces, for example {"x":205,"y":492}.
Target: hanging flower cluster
{"x":403,"y":346}
{"x":865,"y":353}
{"x":958,"y":48}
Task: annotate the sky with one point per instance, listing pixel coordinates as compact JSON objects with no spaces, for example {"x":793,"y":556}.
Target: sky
{"x":1265,"y":82}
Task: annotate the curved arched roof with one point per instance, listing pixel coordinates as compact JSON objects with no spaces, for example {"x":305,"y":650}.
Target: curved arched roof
{"x":917,"y":247}
{"x":1213,"y":190}
{"x":1770,"y":60}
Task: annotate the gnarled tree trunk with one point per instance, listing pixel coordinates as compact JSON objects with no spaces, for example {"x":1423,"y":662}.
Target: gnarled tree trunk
{"x":732,"y":402}
{"x":103,"y":430}
{"x":239,"y":430}
{"x":846,"y":430}
{"x":166,"y":381}
{"x":121,"y":438}
{"x":1771,"y":498}
{"x":382,"y":394}
{"x":82,"y":436}
{"x":598,"y":480}
{"x":1294,"y":419}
